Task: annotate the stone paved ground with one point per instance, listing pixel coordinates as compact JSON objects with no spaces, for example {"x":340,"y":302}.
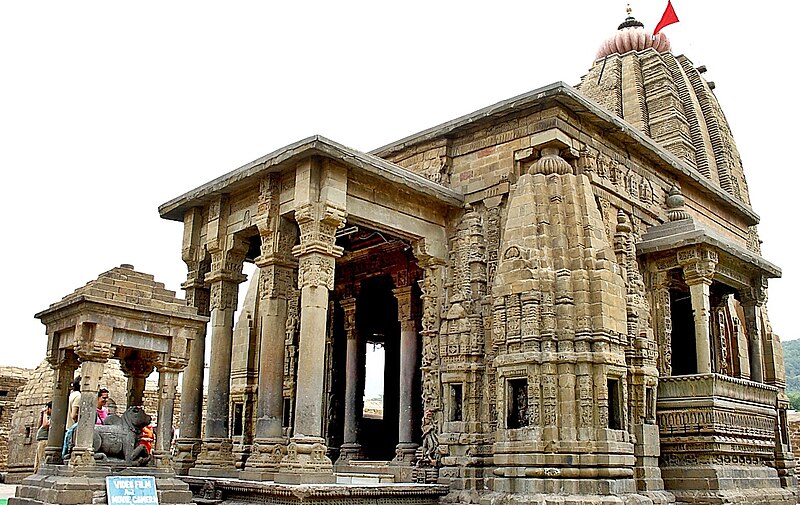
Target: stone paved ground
{"x":6,"y":491}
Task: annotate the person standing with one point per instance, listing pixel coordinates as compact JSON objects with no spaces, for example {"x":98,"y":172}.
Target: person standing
{"x":102,"y":410}
{"x":74,"y":403}
{"x":41,"y":435}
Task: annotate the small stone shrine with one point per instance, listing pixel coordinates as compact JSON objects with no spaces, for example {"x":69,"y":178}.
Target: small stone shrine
{"x":122,"y":315}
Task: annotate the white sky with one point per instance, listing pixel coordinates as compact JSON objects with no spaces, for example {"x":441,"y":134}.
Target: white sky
{"x":108,"y":109}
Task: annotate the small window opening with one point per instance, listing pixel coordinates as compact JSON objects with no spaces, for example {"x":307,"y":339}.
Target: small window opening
{"x":614,"y":404}
{"x":456,"y":402}
{"x":238,"y":419}
{"x":287,"y":412}
{"x":518,"y":403}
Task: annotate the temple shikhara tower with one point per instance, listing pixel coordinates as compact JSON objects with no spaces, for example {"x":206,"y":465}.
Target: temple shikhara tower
{"x":567,"y":287}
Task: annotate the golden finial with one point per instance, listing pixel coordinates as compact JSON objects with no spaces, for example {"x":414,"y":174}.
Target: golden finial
{"x":628,"y":9}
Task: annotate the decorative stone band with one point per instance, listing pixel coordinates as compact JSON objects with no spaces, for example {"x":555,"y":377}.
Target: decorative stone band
{"x":275,"y":281}
{"x":716,"y":385}
{"x":316,"y":270}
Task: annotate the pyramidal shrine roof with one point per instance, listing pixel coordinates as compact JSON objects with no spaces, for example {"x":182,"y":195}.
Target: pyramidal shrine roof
{"x":639,"y":79}
{"x":123,"y":286}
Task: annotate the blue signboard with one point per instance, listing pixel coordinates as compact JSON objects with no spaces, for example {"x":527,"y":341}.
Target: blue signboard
{"x":131,"y":489}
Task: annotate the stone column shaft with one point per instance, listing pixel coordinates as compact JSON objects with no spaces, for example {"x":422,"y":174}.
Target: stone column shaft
{"x":408,"y":369}
{"x":351,"y":391}
{"x":351,"y":449}
{"x":187,"y":446}
{"x":752,"y":314}
{"x":701,"y":307}
{"x":61,"y":389}
{"x":83,"y":453}
{"x":167,"y":388}
{"x":311,"y":362}
{"x":270,"y":373}
{"x":219,"y":370}
{"x":192,"y":389}
{"x":136,"y":390}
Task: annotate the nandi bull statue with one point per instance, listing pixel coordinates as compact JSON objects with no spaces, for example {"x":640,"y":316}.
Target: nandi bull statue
{"x":116,"y":440}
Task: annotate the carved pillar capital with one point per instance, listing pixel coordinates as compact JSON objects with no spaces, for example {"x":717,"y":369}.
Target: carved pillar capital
{"x":93,"y":342}
{"x":136,"y":367}
{"x":406,"y":309}
{"x":318,"y":222}
{"x":62,"y":359}
{"x":756,"y":294}
{"x":698,"y":263}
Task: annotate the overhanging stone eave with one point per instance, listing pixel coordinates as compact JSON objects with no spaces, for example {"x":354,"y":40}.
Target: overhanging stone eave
{"x":315,"y":145}
{"x":73,"y":304}
{"x":699,"y":235}
{"x":589,"y":111}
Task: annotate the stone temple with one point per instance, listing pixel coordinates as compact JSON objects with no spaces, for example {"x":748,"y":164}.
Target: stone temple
{"x":567,"y":286}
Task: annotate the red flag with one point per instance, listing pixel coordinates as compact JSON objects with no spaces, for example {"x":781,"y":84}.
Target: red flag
{"x":668,"y":18}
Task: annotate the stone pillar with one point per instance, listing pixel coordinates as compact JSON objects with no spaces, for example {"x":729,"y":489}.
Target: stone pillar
{"x":406,"y":448}
{"x":216,"y":455}
{"x":351,"y":448}
{"x":137,"y":371}
{"x":698,"y":274}
{"x":188,"y":444}
{"x":167,"y":389}
{"x":270,"y":445}
{"x":276,"y":279}
{"x":91,"y":373}
{"x":752,"y":303}
{"x":702,"y":309}
{"x":64,"y":367}
{"x":93,"y":347}
{"x":320,"y":199}
{"x":311,"y":362}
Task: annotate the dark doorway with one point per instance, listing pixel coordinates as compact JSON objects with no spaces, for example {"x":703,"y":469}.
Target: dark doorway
{"x":376,"y":310}
{"x":684,"y":349}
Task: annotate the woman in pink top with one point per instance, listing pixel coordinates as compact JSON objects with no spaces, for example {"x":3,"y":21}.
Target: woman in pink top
{"x":102,"y":410}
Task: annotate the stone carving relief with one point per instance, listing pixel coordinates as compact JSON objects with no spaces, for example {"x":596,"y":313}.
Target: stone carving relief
{"x":316,"y":270}
{"x":437,"y":170}
{"x":619,"y":175}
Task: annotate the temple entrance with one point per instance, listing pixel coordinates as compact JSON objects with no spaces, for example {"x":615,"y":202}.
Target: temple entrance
{"x":377,"y":320}
{"x":373,"y":329}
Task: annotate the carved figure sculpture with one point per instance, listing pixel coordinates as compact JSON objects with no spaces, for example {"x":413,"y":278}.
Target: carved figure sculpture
{"x":430,"y":441}
{"x":117,"y":438}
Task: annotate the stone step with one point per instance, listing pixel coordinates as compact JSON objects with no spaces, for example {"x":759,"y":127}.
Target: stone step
{"x":364,"y":478}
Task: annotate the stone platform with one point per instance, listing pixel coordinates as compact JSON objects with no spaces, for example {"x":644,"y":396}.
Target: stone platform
{"x":220,"y":491}
{"x":59,"y":485}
